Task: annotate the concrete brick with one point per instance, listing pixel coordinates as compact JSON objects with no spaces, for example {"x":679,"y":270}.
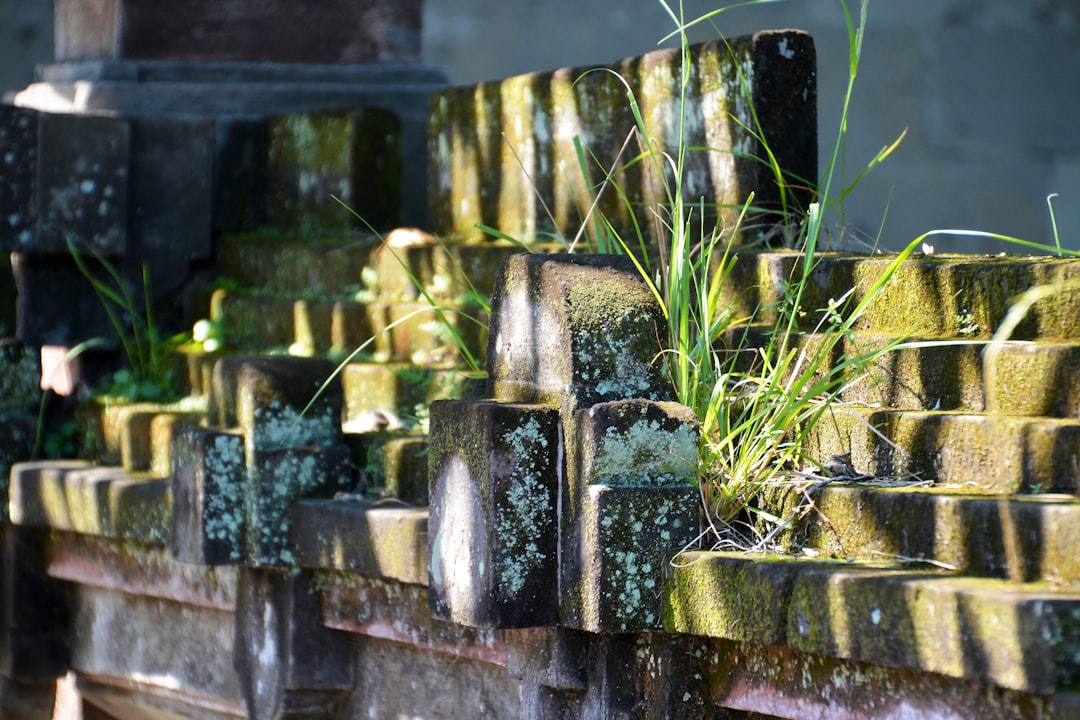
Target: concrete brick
{"x":208,"y":483}
{"x":289,"y":665}
{"x":276,"y":480}
{"x":314,"y":157}
{"x":574,"y":330}
{"x":494,"y":475}
{"x":375,"y":539}
{"x":476,"y":181}
{"x":615,"y":559}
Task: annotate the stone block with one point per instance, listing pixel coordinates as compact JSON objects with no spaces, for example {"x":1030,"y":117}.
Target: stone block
{"x":738,"y":91}
{"x":381,"y":539}
{"x":279,"y":31}
{"x":289,"y":664}
{"x":208,"y":484}
{"x":574,"y":330}
{"x":276,"y":403}
{"x":172,"y":171}
{"x":494,"y":473}
{"x":83,"y":184}
{"x":277,"y":479}
{"x":18,"y":177}
{"x":636,"y":443}
{"x":613,"y":561}
{"x":239,"y":176}
{"x":313,"y":158}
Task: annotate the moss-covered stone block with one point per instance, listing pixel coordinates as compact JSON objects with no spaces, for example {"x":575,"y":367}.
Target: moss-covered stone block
{"x":636,"y":443}
{"x":281,"y":402}
{"x":208,"y":489}
{"x":1014,"y":636}
{"x":277,"y":479}
{"x":401,"y":388}
{"x":103,"y":501}
{"x":737,"y":91}
{"x":729,"y":595}
{"x":494,"y":482}
{"x":397,"y":467}
{"x":574,"y":330}
{"x":314,"y":157}
{"x":1040,"y":379}
{"x":380,"y":540}
{"x":613,"y":570}
{"x":281,"y":263}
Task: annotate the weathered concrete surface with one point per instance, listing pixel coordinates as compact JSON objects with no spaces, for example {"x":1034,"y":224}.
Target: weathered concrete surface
{"x":338,"y":32}
{"x":495,"y":479}
{"x":209,"y":522}
{"x":574,"y":330}
{"x":505,"y":156}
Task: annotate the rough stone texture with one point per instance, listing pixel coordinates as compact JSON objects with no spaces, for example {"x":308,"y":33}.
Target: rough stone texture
{"x":83,"y":171}
{"x":102,"y":501}
{"x":19,"y":191}
{"x":155,"y":648}
{"x":335,"y":32}
{"x":208,"y":484}
{"x":276,"y":480}
{"x":383,"y":539}
{"x":613,"y":557}
{"x":574,"y":330}
{"x":636,"y":443}
{"x":317,"y":161}
{"x":494,"y":482}
{"x":272,"y":394}
{"x":478,"y":180}
{"x":1029,"y":538}
{"x":289,"y":665}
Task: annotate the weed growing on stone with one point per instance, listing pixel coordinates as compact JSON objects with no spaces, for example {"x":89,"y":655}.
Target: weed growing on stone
{"x":148,"y":376}
{"x":756,"y":400}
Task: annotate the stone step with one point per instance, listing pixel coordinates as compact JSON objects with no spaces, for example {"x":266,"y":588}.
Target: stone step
{"x":395,"y":465}
{"x":134,"y":436}
{"x":1022,"y":378}
{"x":1029,"y":538}
{"x":77,"y":496}
{"x":279,"y":262}
{"x":400,"y":388}
{"x":396,"y":331}
{"x":1021,"y":636}
{"x":929,"y":296}
{"x":975,"y":452}
{"x":331,"y":267}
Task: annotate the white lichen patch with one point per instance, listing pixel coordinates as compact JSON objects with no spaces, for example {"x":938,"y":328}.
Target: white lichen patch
{"x":279,"y":425}
{"x":644,"y":454}
{"x":223,"y":492}
{"x":525,"y":513}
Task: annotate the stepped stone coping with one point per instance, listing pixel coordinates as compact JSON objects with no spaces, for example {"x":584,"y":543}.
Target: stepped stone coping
{"x":929,"y":296}
{"x":504,"y":152}
{"x":1018,"y":636}
{"x":991,"y":453}
{"x":379,"y":539}
{"x":396,"y":612}
{"x":1030,"y":538}
{"x":398,"y":387}
{"x":104,"y":501}
{"x":255,"y":321}
{"x":137,"y":568}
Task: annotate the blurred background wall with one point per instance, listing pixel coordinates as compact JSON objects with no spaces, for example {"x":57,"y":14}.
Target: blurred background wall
{"x":989,"y":91}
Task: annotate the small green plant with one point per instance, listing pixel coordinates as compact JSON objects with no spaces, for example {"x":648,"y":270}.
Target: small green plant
{"x":148,"y":376}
